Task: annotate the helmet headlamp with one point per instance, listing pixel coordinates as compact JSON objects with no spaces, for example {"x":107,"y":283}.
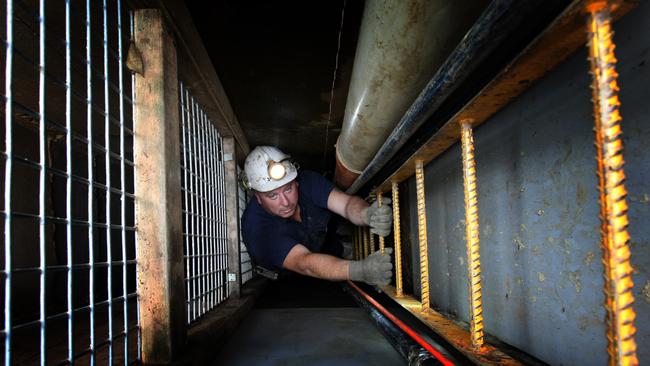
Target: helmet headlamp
{"x":277,"y":170}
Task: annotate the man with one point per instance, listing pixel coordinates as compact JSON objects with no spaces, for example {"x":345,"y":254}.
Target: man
{"x":285,"y":224}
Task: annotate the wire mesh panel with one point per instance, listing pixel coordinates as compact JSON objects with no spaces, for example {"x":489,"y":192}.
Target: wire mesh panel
{"x":204,"y":210}
{"x":246,"y":265}
{"x":68,"y":205}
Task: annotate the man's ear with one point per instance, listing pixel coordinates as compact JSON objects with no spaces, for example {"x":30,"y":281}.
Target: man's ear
{"x":257,"y":197}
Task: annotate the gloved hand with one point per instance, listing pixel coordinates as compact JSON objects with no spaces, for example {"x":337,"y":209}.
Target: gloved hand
{"x":380,"y":219}
{"x":376,"y":269}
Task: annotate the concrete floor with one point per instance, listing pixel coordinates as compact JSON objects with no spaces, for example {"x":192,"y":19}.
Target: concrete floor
{"x":308,"y":336}
{"x":300,"y":320}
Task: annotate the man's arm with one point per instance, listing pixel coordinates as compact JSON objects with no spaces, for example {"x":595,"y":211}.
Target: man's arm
{"x":302,"y":260}
{"x":375,"y":269}
{"x":352,"y":208}
{"x":360,"y":213}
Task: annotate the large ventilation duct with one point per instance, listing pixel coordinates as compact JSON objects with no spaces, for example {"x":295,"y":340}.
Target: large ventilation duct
{"x":401,"y":45}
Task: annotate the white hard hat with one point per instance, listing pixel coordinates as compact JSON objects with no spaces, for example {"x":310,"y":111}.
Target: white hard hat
{"x":268,"y":168}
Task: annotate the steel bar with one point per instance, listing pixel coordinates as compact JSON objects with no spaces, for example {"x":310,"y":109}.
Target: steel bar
{"x":120,"y":63}
{"x":68,"y":186}
{"x":212,"y":257}
{"x":107,"y":162}
{"x":91,"y":178}
{"x":422,"y":235}
{"x":381,"y":238}
{"x":472,"y":234}
{"x":366,"y":241}
{"x":223,"y":279}
{"x":9,"y":52}
{"x":42,"y":179}
{"x":194,"y":207}
{"x":615,"y":238}
{"x":371,"y":241}
{"x":398,"y":240}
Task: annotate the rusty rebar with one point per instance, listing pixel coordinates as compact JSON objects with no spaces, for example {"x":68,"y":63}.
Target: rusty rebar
{"x":422,"y":234}
{"x":371,"y":240}
{"x":611,"y":177}
{"x":398,"y":241}
{"x":366,"y":245}
{"x":381,"y":238}
{"x":472,"y":234}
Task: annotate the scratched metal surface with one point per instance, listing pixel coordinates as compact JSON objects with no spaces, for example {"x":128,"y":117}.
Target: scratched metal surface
{"x":538,"y":211}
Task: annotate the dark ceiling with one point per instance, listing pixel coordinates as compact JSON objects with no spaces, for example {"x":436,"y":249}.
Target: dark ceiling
{"x":276,"y":61}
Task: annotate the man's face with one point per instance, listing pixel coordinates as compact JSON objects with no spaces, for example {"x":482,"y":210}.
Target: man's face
{"x":281,"y":201}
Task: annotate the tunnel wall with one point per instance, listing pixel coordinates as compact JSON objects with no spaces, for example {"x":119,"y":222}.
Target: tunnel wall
{"x":538,"y":212}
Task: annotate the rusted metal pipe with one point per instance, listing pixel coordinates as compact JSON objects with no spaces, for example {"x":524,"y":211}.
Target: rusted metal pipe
{"x":611,"y":177}
{"x":398,"y":241}
{"x":422,"y":235}
{"x":472,"y":234}
{"x":401,"y":45}
{"x":495,"y":24}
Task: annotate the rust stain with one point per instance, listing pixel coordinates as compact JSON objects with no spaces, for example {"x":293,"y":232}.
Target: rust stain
{"x":646,"y":292}
{"x":589,"y":258}
{"x":455,"y":334}
{"x":574,"y":277}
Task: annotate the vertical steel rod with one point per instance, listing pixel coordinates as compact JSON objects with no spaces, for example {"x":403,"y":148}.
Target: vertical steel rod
{"x":202,"y":212}
{"x":187,"y":238}
{"x":194,"y":208}
{"x":472,"y":234}
{"x":398,"y":241}
{"x":422,"y":234}
{"x":212,"y":182}
{"x":205,"y":137}
{"x":68,"y":183}
{"x":42,"y":175}
{"x":9,"y":55}
{"x":91,"y":182}
{"x":611,"y":177}
{"x":223,"y":251}
{"x":381,"y":238}
{"x":120,"y":63}
{"x":107,"y":159}
{"x":371,"y":241}
{"x":366,"y":241}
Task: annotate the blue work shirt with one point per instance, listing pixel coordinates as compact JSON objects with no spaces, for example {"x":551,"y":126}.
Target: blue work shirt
{"x":270,"y":238}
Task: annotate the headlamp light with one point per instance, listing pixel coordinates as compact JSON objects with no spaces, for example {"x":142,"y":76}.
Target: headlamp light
{"x":277,"y":170}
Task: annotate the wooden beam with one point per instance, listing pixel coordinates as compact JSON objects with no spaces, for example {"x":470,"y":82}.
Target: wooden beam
{"x":232,"y":216}
{"x":157,"y":188}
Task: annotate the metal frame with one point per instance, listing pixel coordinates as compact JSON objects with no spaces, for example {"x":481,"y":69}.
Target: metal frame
{"x":117,"y":187}
{"x":614,"y":235}
{"x":204,"y":230}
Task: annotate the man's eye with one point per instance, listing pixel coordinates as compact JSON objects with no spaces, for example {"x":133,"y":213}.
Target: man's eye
{"x":288,"y":190}
{"x":273,"y":196}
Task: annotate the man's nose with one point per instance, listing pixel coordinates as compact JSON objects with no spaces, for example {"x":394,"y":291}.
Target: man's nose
{"x":284,"y":201}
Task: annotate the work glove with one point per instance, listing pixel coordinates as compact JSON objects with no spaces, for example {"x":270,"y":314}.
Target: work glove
{"x":380,"y":219}
{"x":376,"y":269}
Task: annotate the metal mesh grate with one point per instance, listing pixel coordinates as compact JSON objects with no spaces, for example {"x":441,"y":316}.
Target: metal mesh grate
{"x":204,"y":210}
{"x":68,"y":205}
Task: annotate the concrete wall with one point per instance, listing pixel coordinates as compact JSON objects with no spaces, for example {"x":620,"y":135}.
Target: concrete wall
{"x":538,"y":208}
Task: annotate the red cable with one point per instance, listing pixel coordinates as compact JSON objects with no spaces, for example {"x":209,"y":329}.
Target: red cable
{"x":404,"y":327}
